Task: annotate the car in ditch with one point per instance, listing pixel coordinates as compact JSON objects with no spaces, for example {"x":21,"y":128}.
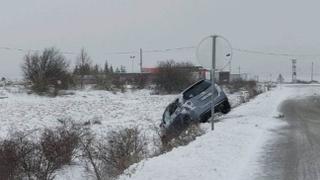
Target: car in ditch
{"x":193,"y":105}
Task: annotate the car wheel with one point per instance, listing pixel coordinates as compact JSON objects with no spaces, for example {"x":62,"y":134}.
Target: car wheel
{"x":225,"y":107}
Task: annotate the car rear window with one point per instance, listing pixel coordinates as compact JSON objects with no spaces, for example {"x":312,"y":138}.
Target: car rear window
{"x":196,"y":89}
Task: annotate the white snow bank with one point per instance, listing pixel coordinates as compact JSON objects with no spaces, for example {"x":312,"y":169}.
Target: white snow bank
{"x":227,"y":153}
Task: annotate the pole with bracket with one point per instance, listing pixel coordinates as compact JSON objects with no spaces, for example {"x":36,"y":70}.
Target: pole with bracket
{"x":214,"y":37}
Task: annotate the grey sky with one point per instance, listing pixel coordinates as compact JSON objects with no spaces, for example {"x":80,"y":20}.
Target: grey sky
{"x":102,"y":26}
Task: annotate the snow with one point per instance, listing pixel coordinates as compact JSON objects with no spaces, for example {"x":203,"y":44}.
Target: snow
{"x":27,"y":112}
{"x":231,"y":150}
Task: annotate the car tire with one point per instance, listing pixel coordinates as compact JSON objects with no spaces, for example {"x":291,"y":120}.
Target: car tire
{"x":225,"y":107}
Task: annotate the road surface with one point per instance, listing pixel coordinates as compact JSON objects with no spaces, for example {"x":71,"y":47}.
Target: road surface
{"x":295,"y":154}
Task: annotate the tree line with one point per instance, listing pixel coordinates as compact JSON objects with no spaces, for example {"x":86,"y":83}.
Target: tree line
{"x":49,"y":72}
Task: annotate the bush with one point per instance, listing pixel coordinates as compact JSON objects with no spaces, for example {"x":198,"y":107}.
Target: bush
{"x":59,"y":146}
{"x":103,"y":82}
{"x":125,"y":148}
{"x":140,"y":82}
{"x":187,"y":136}
{"x":118,"y":83}
{"x":242,"y":85}
{"x":109,"y":159}
{"x":174,"y":77}
{"x":165,"y":144}
{"x":47,"y":72}
{"x":9,"y":160}
{"x":22,"y":158}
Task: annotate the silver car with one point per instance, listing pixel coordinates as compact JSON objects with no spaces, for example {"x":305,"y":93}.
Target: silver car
{"x":192,"y":105}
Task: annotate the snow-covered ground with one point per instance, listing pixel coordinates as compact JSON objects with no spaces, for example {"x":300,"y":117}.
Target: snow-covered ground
{"x":20,"y":111}
{"x":229,"y":152}
{"x":27,"y":112}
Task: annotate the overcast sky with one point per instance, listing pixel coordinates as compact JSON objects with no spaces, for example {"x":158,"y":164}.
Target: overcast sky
{"x":103,"y":26}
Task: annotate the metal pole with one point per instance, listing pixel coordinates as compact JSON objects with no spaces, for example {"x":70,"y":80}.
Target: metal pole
{"x":132,"y":65}
{"x":213,"y":79}
{"x":141,"y":60}
{"x":312,"y":72}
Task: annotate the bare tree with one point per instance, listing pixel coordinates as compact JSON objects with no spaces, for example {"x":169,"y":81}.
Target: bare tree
{"x":174,"y":77}
{"x":45,"y":70}
{"x":83,"y":65}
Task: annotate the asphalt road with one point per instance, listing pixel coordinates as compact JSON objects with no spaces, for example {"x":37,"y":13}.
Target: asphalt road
{"x":295,"y":154}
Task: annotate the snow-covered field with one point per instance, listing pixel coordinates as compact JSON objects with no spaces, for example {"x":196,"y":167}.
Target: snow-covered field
{"x":22,"y":112}
{"x":229,"y":152}
{"x":27,"y":112}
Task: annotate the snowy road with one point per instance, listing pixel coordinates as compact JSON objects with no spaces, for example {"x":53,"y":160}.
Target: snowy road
{"x":295,"y":155}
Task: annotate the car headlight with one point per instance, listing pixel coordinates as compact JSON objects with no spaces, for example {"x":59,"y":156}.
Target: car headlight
{"x":188,"y":105}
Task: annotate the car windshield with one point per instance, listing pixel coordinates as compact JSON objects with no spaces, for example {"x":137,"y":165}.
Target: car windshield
{"x":196,"y":90}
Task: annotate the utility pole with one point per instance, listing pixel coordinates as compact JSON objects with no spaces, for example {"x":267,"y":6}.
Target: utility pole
{"x":239,"y":69}
{"x":312,"y":72}
{"x":132,"y":58}
{"x":213,"y":79}
{"x":141,"y":60}
{"x":206,"y":64}
{"x":294,"y":71}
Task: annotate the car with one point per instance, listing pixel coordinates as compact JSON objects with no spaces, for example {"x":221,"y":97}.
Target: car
{"x":193,"y":105}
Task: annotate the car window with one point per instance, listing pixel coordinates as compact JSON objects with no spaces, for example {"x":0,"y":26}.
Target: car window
{"x":196,"y":90}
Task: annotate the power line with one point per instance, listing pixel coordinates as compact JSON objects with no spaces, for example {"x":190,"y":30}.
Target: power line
{"x":32,"y":50}
{"x":122,"y":53}
{"x":273,"y":53}
{"x":169,"y":49}
{"x":248,"y":51}
{"x":109,"y":53}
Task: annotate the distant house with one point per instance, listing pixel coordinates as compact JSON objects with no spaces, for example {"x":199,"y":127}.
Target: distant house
{"x":197,"y":71}
{"x":148,"y":75}
{"x":150,"y":70}
{"x":236,"y":77}
{"x":134,"y":77}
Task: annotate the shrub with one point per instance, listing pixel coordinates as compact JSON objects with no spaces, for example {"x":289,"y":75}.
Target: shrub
{"x":103,"y":82}
{"x":22,"y":158}
{"x":173,"y":77}
{"x":184,"y":138}
{"x":125,"y":148}
{"x":242,"y":85}
{"x":140,"y":82}
{"x":118,"y":83}
{"x":59,"y":146}
{"x":9,"y":160}
{"x":110,"y":159}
